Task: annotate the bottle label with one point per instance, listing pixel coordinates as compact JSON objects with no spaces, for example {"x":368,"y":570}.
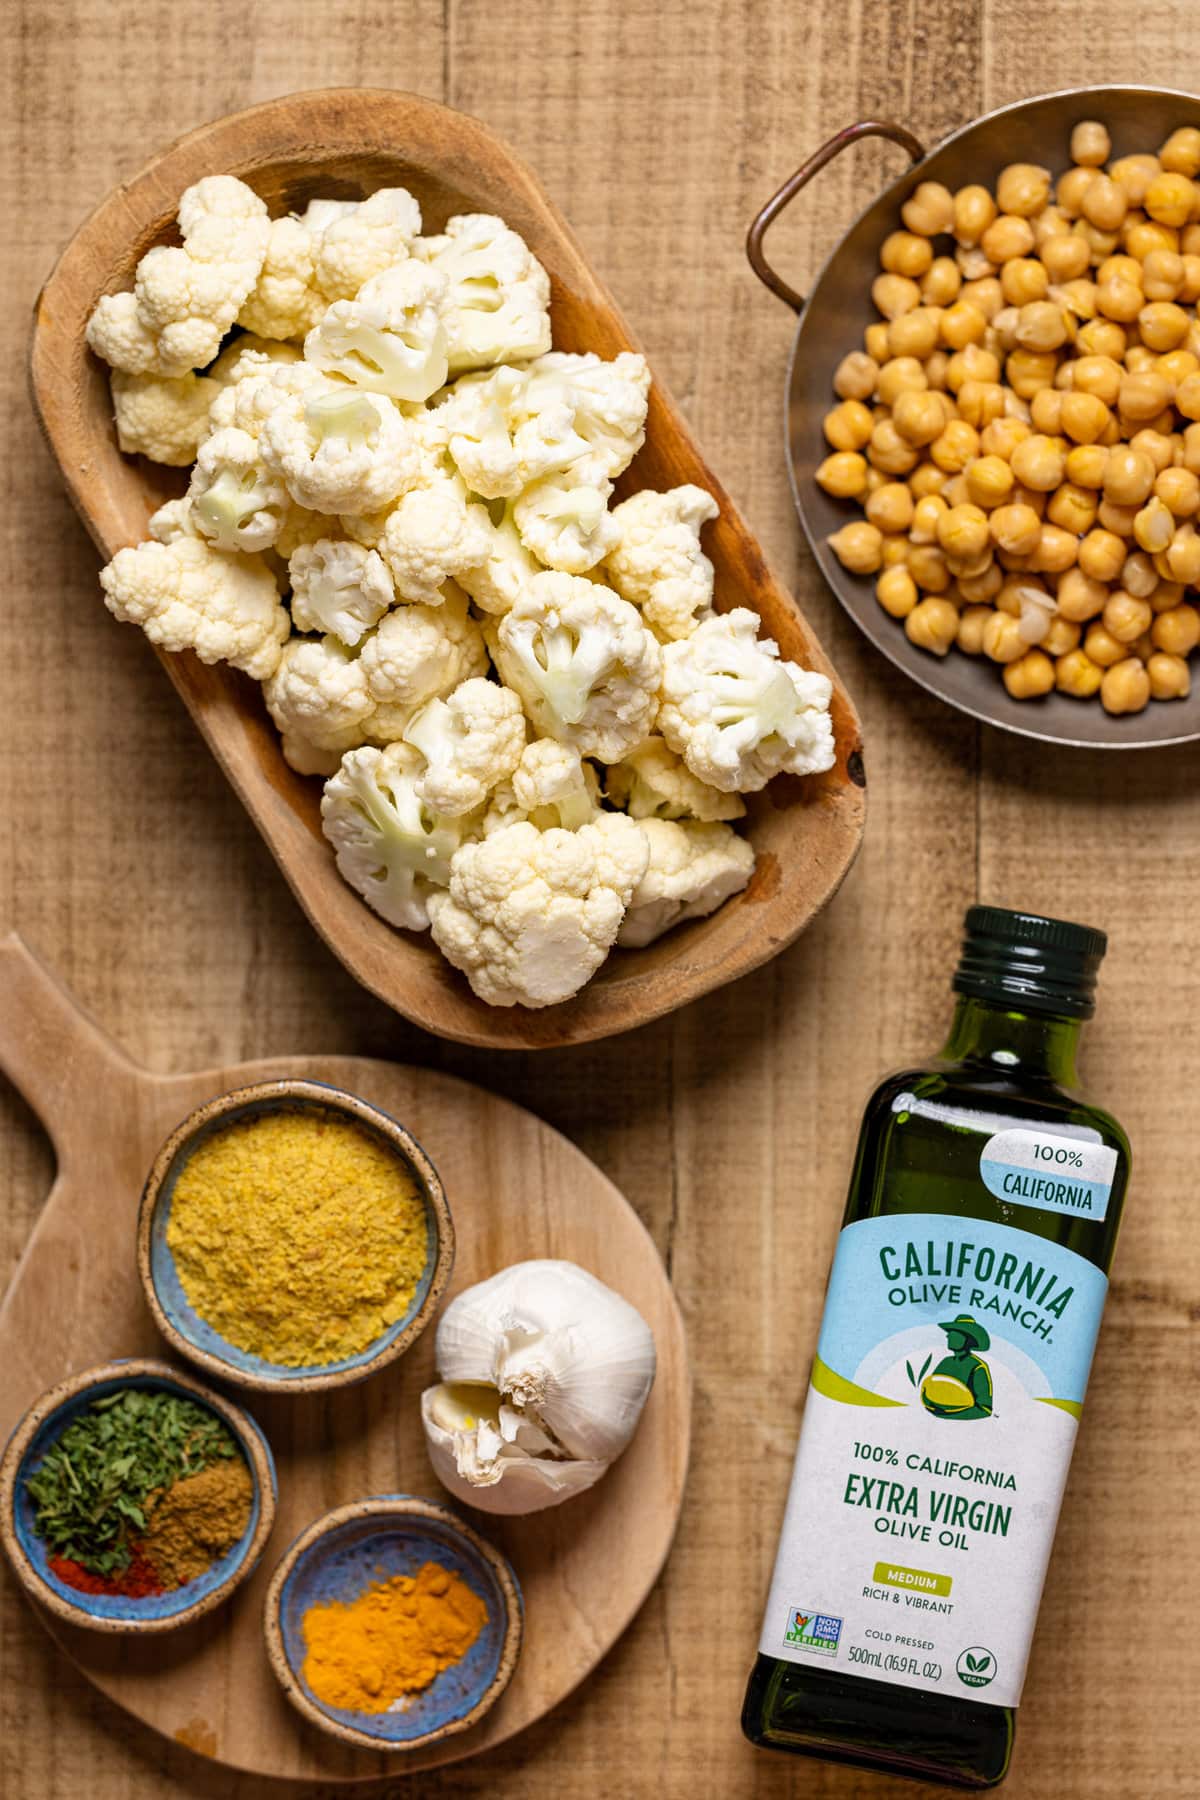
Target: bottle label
{"x":1051,"y":1173}
{"x":939,"y":1426}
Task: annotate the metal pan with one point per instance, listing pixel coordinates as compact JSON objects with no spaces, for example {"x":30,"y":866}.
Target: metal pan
{"x":831,"y":323}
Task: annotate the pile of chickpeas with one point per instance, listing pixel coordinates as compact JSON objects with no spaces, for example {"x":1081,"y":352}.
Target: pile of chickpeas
{"x":1022,"y":428}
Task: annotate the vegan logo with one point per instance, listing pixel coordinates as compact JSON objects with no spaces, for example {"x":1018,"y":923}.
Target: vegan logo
{"x":976,"y":1667}
{"x":809,"y":1630}
{"x":960,"y":1386}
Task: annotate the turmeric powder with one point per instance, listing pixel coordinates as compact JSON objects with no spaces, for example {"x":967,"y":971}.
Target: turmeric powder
{"x":298,"y":1235}
{"x":394,"y":1639}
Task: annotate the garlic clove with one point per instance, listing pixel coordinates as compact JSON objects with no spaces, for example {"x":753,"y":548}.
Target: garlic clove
{"x":483,"y":1467}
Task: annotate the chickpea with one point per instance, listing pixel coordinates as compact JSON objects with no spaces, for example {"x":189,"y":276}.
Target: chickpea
{"x":889,"y":451}
{"x":1134,"y":174}
{"x":895,"y":551}
{"x":989,"y":482}
{"x":1129,"y":474}
{"x":1154,"y":526}
{"x":918,"y":417}
{"x":1076,"y":674}
{"x":1125,"y":616}
{"x":1101,"y":337}
{"x":875,"y":341}
{"x":1073,"y":508}
{"x":1045,"y":411}
{"x":1170,"y":198}
{"x":1007,"y":236}
{"x":1090,"y":144}
{"x":1002,"y":640}
{"x":1102,"y":647}
{"x":1166,"y":595}
{"x":957,"y":445}
{"x":1070,"y":189}
{"x":986,"y":296}
{"x":898,"y":375}
{"x":1142,"y":236}
{"x":1176,"y":365}
{"x":1029,"y":370}
{"x":925,"y":519}
{"x":1162,"y":274}
{"x":974,"y":210}
{"x":1102,"y":554}
{"x":855,"y":376}
{"x":1163,"y":325}
{"x":927,"y":566}
{"x":905,"y":253}
{"x":848,"y":426}
{"x":972,"y":263}
{"x":1139,"y":358}
{"x":935,"y":370}
{"x":890,"y":507}
{"x":894,"y":294}
{"x":1104,"y":202}
{"x":1002,"y":436}
{"x":1191,"y":449}
{"x":1023,"y":280}
{"x":1040,"y":324}
{"x":932,"y":625}
{"x":1065,"y":258}
{"x":1039,"y":463}
{"x":1086,"y":464}
{"x":980,"y":402}
{"x":975,"y":589}
{"x":1116,"y":518}
{"x":1022,"y":188}
{"x":1061,"y":636}
{"x":1121,"y":268}
{"x":963,"y":531}
{"x":1187,"y":396}
{"x":929,"y":209}
{"x":926,"y":479}
{"x":1183,"y":555}
{"x":1126,"y":685}
{"x":1117,"y":299}
{"x":1100,"y":243}
{"x":1082,"y":416}
{"x":1176,"y":631}
{"x":1170,"y":678}
{"x":971,"y":623}
{"x":858,"y":547}
{"x":1016,"y":529}
{"x":843,"y":475}
{"x":1190,"y":291}
{"x":896,"y":592}
{"x":942,"y":280}
{"x":1080,"y":596}
{"x":1056,"y":550}
{"x":1181,"y":152}
{"x":962,"y":324}
{"x":1179,"y":489}
{"x":972,"y":364}
{"x":915,"y":333}
{"x":1030,"y":676}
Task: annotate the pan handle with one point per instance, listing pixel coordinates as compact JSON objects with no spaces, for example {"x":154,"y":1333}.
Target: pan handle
{"x":896,"y":134}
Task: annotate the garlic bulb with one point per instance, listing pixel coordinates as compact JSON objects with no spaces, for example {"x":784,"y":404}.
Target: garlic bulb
{"x":544,"y":1375}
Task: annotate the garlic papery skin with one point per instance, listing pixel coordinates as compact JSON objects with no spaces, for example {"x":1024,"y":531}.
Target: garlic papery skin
{"x":493,"y":1459}
{"x":559,"y":1346}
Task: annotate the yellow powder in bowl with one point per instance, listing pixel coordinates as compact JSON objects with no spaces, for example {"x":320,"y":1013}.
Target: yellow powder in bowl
{"x":298,"y":1235}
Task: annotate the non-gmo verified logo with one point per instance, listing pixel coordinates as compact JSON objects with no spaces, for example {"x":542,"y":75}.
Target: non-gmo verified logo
{"x":811,"y":1630}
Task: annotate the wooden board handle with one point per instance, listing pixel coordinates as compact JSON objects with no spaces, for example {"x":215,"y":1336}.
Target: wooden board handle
{"x":67,"y":1068}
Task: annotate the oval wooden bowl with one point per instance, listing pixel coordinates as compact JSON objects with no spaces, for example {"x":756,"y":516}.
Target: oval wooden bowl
{"x":190,"y":1335}
{"x":347,"y":142}
{"x":165,"y":1612}
{"x":343,"y":1553}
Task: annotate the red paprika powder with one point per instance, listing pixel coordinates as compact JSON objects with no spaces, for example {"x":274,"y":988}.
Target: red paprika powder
{"x":136,"y":1581}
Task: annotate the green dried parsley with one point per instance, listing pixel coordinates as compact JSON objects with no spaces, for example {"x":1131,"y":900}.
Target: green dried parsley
{"x":90,"y":1488}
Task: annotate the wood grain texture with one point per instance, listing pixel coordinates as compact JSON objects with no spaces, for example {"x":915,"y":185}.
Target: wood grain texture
{"x":658,"y":127}
{"x":519,"y":1191}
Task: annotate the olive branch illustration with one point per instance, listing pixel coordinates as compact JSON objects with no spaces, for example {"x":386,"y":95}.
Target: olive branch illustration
{"x":918,"y":1379}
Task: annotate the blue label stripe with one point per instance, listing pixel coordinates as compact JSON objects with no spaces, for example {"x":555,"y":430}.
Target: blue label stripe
{"x":1073,"y":1194}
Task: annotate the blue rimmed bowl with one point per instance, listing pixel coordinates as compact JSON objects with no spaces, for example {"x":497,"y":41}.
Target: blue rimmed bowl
{"x":29,"y":1554}
{"x":348,"y":1551}
{"x":191,"y":1334}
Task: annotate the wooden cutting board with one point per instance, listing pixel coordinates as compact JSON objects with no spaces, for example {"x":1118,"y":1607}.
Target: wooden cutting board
{"x":516,"y":1189}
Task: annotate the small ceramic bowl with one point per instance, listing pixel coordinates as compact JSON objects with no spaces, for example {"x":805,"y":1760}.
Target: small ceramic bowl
{"x":190,"y":1334}
{"x":29,"y":1554}
{"x":369,"y":1541}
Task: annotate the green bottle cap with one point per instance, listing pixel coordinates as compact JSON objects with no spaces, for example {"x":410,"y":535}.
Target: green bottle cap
{"x":1028,"y":963}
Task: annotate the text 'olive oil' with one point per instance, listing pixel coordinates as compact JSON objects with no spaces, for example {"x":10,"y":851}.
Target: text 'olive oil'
{"x":962,"y":1312}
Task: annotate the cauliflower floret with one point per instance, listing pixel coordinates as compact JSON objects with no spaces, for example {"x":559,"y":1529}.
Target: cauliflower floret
{"x":172,"y":521}
{"x":432,"y":535}
{"x":419,"y":653}
{"x":736,"y":713}
{"x":285,"y":302}
{"x":498,"y":305}
{"x":391,"y":847}
{"x":186,"y":297}
{"x":318,"y":696}
{"x":234,"y":503}
{"x":551,"y":785}
{"x":361,"y":241}
{"x":247,"y":353}
{"x":187,"y":596}
{"x":338,"y":587}
{"x":658,"y":563}
{"x":339,"y":450}
{"x":470,"y":741}
{"x":257,"y":383}
{"x":496,"y":583}
{"x":501,"y":436}
{"x":608,"y":401}
{"x":530,"y":915}
{"x":693,"y":869}
{"x":653,"y":783}
{"x":164,"y":417}
{"x":586,"y":668}
{"x":564,"y":520}
{"x":389,"y":339}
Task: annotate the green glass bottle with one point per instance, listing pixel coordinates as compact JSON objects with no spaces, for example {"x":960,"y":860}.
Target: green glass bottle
{"x":959,"y":1324}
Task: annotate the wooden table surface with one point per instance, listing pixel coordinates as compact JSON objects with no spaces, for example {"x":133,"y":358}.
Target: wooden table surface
{"x":658,"y":126}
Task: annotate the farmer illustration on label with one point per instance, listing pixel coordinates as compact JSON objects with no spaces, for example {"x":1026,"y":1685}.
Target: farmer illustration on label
{"x":960,"y":1387}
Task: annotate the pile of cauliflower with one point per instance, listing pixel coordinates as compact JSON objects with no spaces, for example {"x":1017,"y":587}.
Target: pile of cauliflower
{"x":532,"y":727}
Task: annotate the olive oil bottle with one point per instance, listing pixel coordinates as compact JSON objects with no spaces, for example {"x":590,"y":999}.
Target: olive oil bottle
{"x":959,"y":1324}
